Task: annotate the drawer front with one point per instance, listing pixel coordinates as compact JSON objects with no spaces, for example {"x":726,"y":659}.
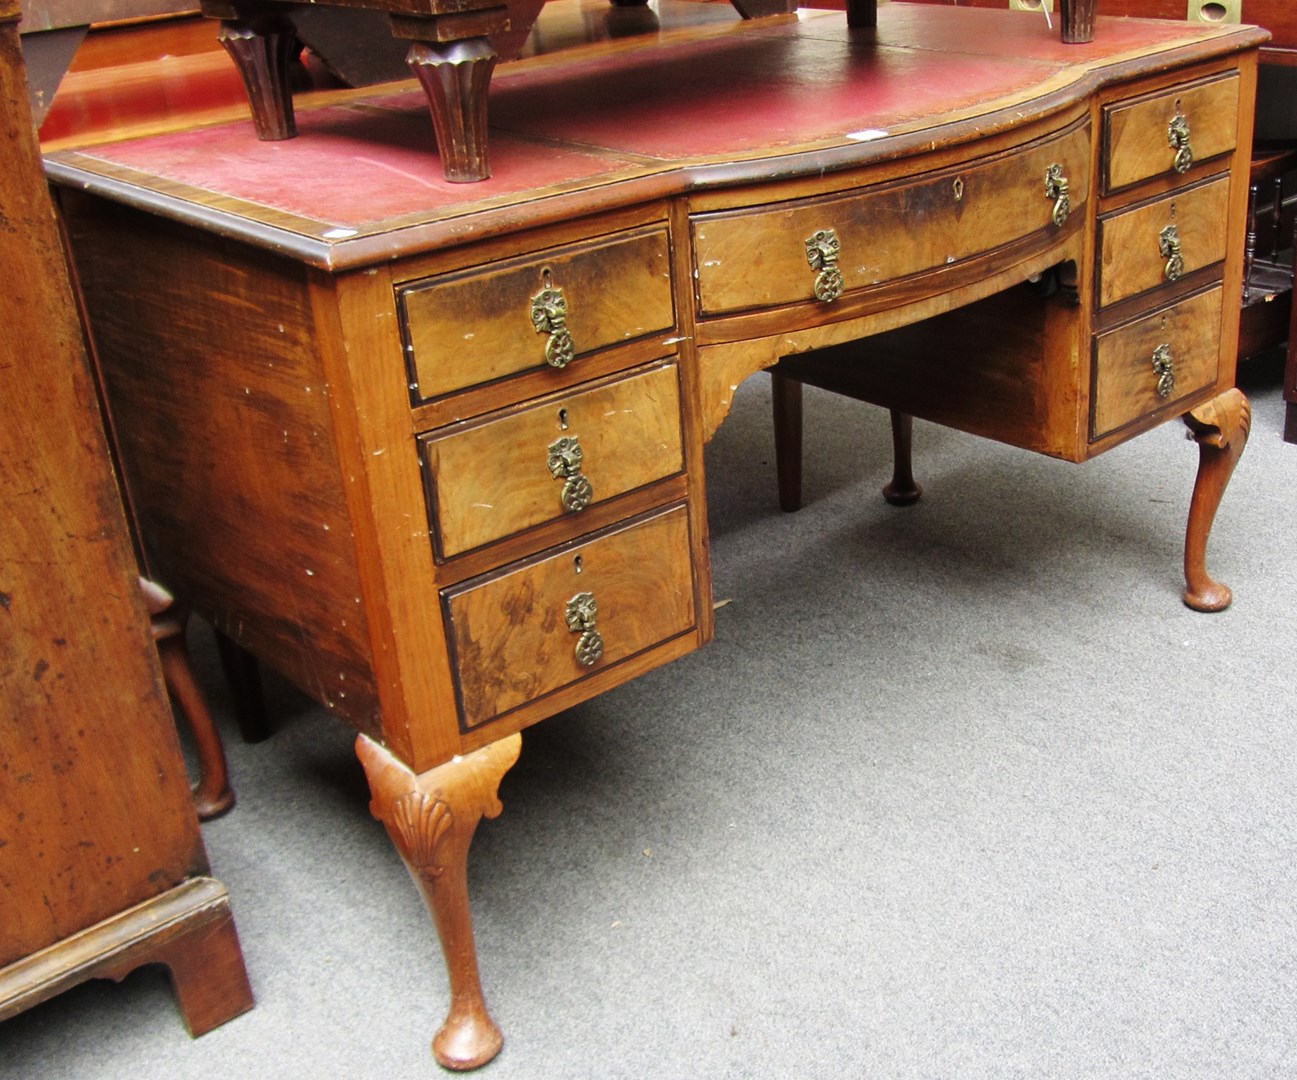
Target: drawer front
{"x":1139,"y":247}
{"x":1138,"y":140}
{"x":516,"y":637}
{"x":469,"y":328}
{"x":1130,"y":361}
{"x":759,"y":258}
{"x":552,"y":459}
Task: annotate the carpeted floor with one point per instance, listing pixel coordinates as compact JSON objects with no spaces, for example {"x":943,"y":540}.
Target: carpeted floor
{"x":960,"y":790}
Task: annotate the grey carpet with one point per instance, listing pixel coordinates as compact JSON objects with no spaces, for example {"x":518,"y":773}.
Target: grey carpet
{"x":961,"y":790}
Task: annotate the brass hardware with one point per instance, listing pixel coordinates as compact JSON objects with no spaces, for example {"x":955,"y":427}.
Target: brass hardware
{"x":549,"y":316}
{"x":581,"y":612}
{"x":958,"y":188}
{"x":1169,"y":244}
{"x":1058,"y":189}
{"x":822,"y":251}
{"x":1177,"y":135}
{"x":565,"y":456}
{"x":1164,"y":369}
{"x":1215,"y":11}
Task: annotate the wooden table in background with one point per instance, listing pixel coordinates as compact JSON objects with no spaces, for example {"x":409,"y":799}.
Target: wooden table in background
{"x":435,"y":450}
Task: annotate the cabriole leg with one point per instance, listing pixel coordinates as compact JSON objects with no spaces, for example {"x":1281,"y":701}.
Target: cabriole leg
{"x":431,"y":818}
{"x":1220,"y":428}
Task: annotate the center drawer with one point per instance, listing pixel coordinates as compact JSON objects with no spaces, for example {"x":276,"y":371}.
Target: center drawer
{"x":758,"y":257}
{"x":523,"y":467}
{"x":545,"y":623}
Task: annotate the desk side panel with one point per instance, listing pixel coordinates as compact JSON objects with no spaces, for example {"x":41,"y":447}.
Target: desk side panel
{"x":224,"y":426}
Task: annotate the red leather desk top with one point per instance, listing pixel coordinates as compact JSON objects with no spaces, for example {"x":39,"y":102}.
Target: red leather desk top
{"x":744,"y":93}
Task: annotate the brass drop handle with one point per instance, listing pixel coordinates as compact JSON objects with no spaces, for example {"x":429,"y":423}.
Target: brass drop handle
{"x":581,"y":613}
{"x":822,"y":250}
{"x":565,"y":457}
{"x":1177,"y":135}
{"x":1058,"y":189}
{"x":1169,"y":244}
{"x":1164,"y":369}
{"x":549,"y":316}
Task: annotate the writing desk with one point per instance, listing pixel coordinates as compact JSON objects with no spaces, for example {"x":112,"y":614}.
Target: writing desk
{"x":434,"y":450}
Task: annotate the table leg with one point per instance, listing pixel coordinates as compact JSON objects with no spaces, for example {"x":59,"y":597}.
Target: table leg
{"x":456,"y":76}
{"x":862,"y":14}
{"x":263,"y":48}
{"x":1220,"y":428}
{"x":431,"y":818}
{"x":902,"y":491}
{"x":786,"y":400}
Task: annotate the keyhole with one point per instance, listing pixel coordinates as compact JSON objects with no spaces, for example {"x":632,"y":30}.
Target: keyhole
{"x":958,"y":187}
{"x":578,"y":565}
{"x":562,"y":419}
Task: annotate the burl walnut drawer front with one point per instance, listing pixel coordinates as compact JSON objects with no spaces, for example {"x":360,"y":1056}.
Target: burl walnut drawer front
{"x":1167,"y":132}
{"x":1156,"y":361}
{"x":553,"y":458}
{"x":550,"y":307}
{"x":1159,"y":242}
{"x":548,"y":622}
{"x":762,"y":257}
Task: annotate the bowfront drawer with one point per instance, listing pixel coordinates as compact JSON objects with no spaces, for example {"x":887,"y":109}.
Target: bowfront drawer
{"x":543,"y":624}
{"x":1166,"y":132}
{"x":824,"y":247}
{"x":1146,"y":365}
{"x":549,"y":307}
{"x":1161,"y":241}
{"x":555,"y":457}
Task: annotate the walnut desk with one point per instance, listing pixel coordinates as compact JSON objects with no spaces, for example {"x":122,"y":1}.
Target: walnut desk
{"x":434,"y":450}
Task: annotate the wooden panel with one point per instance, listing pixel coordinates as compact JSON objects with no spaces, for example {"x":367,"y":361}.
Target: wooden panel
{"x":757,"y":258}
{"x":1136,"y":143}
{"x":1125,"y":382}
{"x":493,"y":478}
{"x":470,"y":328}
{"x":95,"y":812}
{"x":213,"y":371}
{"x":1131,"y":257}
{"x":510,"y":635}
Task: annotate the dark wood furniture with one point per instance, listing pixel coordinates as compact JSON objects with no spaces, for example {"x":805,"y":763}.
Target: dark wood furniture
{"x":454,"y":48}
{"x":434,"y":450}
{"x":102,"y":867}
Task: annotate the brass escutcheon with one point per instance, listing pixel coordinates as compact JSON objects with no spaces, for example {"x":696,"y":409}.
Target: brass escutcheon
{"x":1058,"y":189}
{"x":1169,"y":244}
{"x":822,"y":250}
{"x":1177,"y":135}
{"x":549,"y":316}
{"x":1164,"y":369}
{"x":581,"y":613}
{"x":565,"y":457}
